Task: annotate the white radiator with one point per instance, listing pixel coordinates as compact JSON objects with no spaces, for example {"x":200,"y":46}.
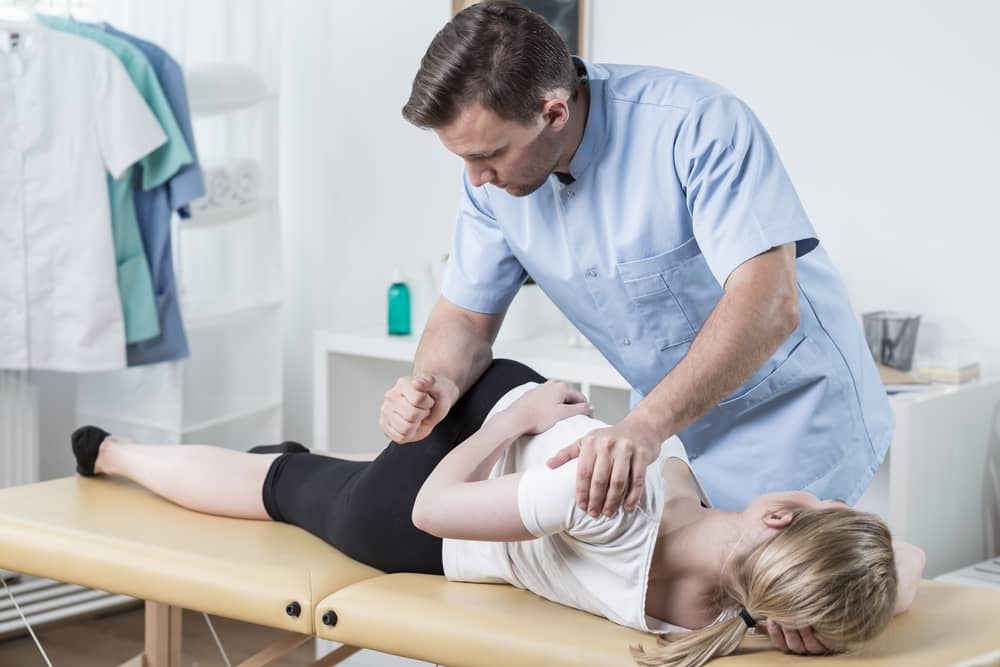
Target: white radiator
{"x":44,"y":602}
{"x":19,"y":453}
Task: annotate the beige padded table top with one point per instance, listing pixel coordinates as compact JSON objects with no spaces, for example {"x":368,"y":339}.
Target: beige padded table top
{"x":482,"y":625}
{"x":113,"y":535}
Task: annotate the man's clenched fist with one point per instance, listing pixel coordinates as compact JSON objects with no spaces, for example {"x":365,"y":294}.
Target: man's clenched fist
{"x":415,"y":405}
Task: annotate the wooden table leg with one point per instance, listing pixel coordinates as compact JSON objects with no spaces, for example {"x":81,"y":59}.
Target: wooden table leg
{"x":163,"y":635}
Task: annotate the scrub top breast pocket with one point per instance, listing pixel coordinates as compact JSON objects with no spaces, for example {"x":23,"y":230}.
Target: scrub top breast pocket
{"x":673,"y":292}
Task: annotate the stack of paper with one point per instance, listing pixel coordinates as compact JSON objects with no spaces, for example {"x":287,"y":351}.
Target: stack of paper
{"x":896,"y":381}
{"x":949,"y":374}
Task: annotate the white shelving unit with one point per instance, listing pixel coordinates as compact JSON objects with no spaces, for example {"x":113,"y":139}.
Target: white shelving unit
{"x":229,"y":279}
{"x":229,"y":215}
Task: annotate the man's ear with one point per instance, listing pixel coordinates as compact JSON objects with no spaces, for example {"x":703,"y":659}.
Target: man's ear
{"x":777,"y":518}
{"x":555,"y":111}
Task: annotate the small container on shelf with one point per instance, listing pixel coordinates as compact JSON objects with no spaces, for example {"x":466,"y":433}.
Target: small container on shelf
{"x":892,"y":337}
{"x":399,"y":306}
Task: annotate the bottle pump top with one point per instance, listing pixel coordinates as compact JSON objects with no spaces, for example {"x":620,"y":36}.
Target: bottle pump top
{"x":397,"y":276}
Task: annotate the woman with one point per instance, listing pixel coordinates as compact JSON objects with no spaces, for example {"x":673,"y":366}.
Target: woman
{"x":491,"y":510}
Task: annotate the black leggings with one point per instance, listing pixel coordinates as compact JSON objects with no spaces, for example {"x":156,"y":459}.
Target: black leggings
{"x":364,"y":508}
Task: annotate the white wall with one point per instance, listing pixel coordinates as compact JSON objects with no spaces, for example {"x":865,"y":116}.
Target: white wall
{"x":362,"y":190}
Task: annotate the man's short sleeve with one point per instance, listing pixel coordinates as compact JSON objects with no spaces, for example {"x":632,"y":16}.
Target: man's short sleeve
{"x":741,"y":200}
{"x":126,"y":128}
{"x":482,"y":273}
{"x":546,"y":499}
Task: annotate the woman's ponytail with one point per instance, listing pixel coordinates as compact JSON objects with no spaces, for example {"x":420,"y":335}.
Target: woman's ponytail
{"x":695,"y":648}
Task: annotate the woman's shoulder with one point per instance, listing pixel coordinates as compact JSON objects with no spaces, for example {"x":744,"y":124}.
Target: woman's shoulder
{"x":679,"y":478}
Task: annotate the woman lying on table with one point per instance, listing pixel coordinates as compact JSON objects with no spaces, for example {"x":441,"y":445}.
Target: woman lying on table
{"x":475,"y":501}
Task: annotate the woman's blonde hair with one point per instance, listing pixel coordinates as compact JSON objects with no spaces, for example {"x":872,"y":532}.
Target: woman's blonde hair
{"x":832,"y":569}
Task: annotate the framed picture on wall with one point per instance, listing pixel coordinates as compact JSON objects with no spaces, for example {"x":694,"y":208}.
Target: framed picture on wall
{"x":566,"y":16}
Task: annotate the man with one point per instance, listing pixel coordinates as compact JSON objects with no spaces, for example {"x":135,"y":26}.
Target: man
{"x":652,"y":208}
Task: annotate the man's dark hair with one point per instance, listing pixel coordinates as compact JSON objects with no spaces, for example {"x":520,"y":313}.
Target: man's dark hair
{"x":497,"y":53}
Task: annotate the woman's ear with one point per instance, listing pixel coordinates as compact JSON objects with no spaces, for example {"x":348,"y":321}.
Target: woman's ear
{"x":777,"y":518}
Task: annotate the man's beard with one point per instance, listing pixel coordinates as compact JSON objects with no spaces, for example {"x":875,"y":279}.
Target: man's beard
{"x":522,"y":190}
{"x":525,"y":190}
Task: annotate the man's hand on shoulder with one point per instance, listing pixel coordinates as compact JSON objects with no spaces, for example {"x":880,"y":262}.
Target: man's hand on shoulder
{"x":613,"y":463}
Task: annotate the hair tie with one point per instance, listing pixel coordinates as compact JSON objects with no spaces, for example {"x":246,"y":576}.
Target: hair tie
{"x":747,"y":618}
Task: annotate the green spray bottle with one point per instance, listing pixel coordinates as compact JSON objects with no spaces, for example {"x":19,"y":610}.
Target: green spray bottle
{"x":399,"y":306}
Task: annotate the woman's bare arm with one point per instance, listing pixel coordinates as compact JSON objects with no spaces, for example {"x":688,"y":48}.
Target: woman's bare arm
{"x":457,"y":500}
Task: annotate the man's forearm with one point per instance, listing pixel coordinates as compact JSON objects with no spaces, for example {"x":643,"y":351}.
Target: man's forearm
{"x":454,"y":347}
{"x":743,"y":331}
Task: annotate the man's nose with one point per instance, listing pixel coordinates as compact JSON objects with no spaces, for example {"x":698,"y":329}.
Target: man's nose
{"x":479,"y":175}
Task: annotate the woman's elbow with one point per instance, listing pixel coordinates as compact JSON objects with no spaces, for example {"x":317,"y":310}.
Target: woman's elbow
{"x":422,"y":520}
{"x":424,"y":514}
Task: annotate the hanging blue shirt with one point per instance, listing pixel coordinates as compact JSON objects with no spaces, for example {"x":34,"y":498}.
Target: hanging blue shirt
{"x":676,"y":184}
{"x":155,"y":208}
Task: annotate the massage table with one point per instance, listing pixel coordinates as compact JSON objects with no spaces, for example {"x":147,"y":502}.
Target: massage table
{"x":112,"y":535}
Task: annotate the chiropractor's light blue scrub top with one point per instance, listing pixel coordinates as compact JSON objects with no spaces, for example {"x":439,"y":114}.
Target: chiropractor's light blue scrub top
{"x":676,"y":184}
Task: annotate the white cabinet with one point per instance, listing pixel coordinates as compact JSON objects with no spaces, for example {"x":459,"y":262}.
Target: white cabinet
{"x":933,"y":486}
{"x":930,"y":488}
{"x":229,"y":276}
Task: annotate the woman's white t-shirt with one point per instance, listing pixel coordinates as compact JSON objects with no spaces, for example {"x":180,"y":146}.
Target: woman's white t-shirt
{"x":597,"y":564}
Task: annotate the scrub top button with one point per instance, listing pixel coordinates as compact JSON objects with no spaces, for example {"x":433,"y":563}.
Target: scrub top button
{"x":627,"y":341}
